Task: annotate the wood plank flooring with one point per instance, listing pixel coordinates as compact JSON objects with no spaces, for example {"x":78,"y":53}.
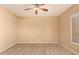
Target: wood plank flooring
{"x":37,"y":49}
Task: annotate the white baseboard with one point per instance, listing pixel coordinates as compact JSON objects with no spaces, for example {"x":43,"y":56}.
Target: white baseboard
{"x":70,"y":49}
{"x":36,"y":42}
{"x":8,"y":47}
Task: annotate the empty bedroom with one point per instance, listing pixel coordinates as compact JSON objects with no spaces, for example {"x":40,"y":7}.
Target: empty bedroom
{"x":39,"y":29}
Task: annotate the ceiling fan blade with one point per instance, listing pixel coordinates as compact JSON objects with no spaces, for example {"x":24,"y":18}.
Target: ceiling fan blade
{"x":41,"y":4}
{"x":28,"y":9}
{"x":44,"y":9}
{"x":36,"y":11}
{"x":37,"y":5}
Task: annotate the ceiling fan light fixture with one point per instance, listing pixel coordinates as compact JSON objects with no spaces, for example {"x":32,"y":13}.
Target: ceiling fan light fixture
{"x":37,"y":7}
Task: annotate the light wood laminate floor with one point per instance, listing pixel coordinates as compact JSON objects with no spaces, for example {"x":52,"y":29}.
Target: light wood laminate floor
{"x":37,"y":49}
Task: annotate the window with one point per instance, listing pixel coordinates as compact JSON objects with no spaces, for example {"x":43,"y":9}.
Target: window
{"x":75,"y":28}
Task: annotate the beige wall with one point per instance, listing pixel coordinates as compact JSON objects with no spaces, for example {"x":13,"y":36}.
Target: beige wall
{"x":37,"y":29}
{"x":7,"y":28}
{"x":65,"y":29}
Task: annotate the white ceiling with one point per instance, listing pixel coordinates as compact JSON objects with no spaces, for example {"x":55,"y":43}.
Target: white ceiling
{"x":53,"y":9}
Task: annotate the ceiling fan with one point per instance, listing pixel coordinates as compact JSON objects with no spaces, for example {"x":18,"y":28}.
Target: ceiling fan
{"x":36,"y":7}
